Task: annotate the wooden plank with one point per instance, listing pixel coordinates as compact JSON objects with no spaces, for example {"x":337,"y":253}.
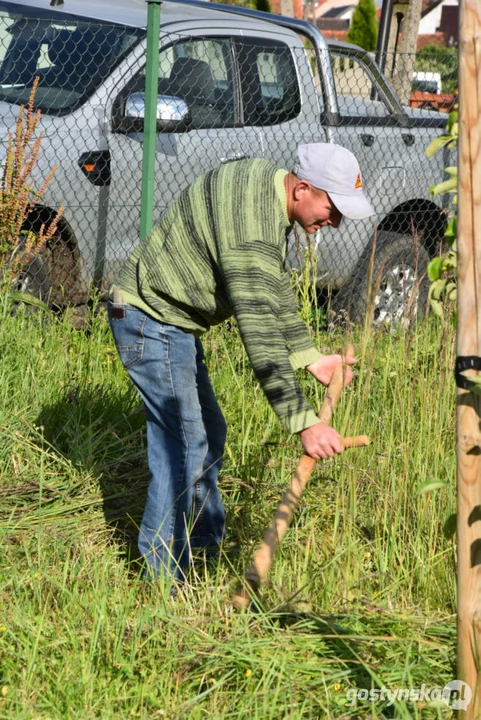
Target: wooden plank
{"x":469,"y":343}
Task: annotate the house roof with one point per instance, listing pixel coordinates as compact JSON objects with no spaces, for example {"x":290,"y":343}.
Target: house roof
{"x":428,"y":7}
{"x":336,"y":11}
{"x":339,"y":6}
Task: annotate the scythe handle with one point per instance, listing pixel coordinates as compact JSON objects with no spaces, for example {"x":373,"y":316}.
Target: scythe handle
{"x":276,"y":531}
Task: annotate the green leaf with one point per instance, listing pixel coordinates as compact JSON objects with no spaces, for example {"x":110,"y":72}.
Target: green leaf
{"x":431,"y":485}
{"x":455,"y":131}
{"x":437,"y":308}
{"x":436,"y":289}
{"x":451,"y":230}
{"x":451,"y":291}
{"x":22,"y":297}
{"x":437,"y":144}
{"x":435,"y":268}
{"x":452,"y":170}
{"x":453,"y":122}
{"x":450,"y":185}
{"x":449,"y":527}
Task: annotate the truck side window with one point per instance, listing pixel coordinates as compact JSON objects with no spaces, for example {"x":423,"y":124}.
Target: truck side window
{"x":270,"y":88}
{"x":354,"y":88}
{"x":200,"y":72}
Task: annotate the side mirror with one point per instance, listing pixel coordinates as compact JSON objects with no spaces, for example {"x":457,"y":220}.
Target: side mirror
{"x":172,"y":113}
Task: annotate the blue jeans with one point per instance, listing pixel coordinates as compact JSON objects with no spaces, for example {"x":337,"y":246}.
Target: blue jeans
{"x":185,"y":439}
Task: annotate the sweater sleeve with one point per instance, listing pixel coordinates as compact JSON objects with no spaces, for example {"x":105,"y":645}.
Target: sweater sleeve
{"x":300,"y":347}
{"x":252,"y":276}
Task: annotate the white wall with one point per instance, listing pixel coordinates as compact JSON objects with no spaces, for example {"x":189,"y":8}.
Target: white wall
{"x":430,"y":22}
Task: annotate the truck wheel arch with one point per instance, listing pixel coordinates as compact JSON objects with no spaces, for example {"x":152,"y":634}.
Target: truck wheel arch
{"x":62,"y":258}
{"x":418,"y":217}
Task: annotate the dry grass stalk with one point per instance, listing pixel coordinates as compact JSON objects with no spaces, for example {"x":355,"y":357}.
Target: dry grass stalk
{"x":18,"y":197}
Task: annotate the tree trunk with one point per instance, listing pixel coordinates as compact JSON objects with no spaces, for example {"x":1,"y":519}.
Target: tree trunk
{"x":402,"y":46}
{"x":287,"y":8}
{"x":309,"y":11}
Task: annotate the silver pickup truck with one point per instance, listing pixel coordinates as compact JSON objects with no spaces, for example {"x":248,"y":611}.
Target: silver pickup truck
{"x":233,"y":83}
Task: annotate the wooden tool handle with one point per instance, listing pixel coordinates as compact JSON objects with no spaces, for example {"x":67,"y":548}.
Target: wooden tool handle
{"x":335,"y":388}
{"x":355,"y":442}
{"x":259,"y":568}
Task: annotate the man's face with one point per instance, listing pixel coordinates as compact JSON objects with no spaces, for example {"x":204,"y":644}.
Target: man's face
{"x":313,"y":208}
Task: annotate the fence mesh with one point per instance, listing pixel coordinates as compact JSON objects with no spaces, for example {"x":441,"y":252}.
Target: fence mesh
{"x":223,"y":96}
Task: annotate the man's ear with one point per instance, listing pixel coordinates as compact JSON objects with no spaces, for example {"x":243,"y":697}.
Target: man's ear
{"x":301,"y":189}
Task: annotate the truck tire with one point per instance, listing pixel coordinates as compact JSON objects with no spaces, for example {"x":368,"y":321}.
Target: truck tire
{"x":63,"y":274}
{"x":399,"y":283}
{"x":34,"y":279}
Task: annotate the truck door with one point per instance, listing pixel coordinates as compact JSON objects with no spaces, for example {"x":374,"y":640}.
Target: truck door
{"x":200,"y":70}
{"x":371,"y":125}
{"x":280,"y":98}
{"x":279,"y":94}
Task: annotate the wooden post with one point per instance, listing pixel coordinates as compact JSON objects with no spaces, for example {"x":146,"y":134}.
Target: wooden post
{"x":469,"y":344}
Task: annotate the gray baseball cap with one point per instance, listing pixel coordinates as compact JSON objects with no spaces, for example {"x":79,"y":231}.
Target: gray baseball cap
{"x":335,"y":170}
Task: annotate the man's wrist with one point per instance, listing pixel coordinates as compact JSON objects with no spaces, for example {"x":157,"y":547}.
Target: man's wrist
{"x":303,"y":358}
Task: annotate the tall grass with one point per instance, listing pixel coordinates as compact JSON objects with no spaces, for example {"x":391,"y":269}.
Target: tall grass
{"x":362,"y":592}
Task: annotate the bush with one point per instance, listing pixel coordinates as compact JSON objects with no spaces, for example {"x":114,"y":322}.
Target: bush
{"x":444,"y":60}
{"x":363,"y":29}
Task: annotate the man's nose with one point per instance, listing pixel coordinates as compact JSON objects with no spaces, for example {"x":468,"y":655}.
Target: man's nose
{"x":336,"y":220}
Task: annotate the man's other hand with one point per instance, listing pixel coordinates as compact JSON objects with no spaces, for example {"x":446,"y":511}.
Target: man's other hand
{"x":323,"y":369}
{"x":321,"y":441}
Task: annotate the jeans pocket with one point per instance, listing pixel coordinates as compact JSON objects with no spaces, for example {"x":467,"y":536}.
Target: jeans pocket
{"x":131,"y":354}
{"x":129,"y":336}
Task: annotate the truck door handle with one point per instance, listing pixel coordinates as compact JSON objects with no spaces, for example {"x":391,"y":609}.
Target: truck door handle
{"x":367,"y":140}
{"x":409,"y":139}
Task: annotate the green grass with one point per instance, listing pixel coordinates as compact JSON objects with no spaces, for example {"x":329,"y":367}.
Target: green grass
{"x":362,"y":592}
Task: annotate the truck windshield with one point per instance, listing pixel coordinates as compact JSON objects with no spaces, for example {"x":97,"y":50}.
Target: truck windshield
{"x":70,"y":57}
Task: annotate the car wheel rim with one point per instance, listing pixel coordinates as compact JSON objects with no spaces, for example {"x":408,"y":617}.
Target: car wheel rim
{"x":394,"y":299}
{"x":24,"y":284}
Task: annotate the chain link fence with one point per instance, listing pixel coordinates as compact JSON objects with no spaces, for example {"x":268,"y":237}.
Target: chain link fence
{"x":427,"y":79}
{"x":228,"y":89}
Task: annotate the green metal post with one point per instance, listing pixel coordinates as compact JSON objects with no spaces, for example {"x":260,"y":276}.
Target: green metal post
{"x":150,"y":118}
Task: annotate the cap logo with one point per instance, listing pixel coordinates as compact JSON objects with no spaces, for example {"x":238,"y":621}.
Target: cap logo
{"x":358,"y":182}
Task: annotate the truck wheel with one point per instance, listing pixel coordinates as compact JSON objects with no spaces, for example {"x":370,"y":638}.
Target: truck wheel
{"x":63,"y":274}
{"x":399,"y":283}
{"x":34,"y":279}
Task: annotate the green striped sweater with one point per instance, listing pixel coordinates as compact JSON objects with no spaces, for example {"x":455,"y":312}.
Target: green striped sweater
{"x":218,"y":251}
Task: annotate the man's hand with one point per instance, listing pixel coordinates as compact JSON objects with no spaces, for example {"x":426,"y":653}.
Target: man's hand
{"x":321,"y":441}
{"x":322,"y":369}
